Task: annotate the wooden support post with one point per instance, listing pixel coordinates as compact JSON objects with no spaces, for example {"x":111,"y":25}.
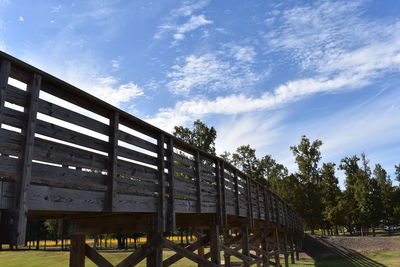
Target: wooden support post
{"x":77,"y":251}
{"x":200,"y":252}
{"x":277,"y":259}
{"x":198,"y":182}
{"x":292,"y":248}
{"x":245,"y":243}
{"x":298,"y":246}
{"x":265,"y":247}
{"x":227,"y":256}
{"x":258,"y":201}
{"x":26,"y":159}
{"x":171,"y":187}
{"x":155,"y":257}
{"x":161,"y":213}
{"x":286,"y":253}
{"x":266,"y":202}
{"x":112,"y":163}
{"x":5,"y":67}
{"x":215,"y":244}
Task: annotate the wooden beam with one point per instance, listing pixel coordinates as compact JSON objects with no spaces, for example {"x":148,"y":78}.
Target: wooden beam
{"x":77,"y":251}
{"x":223,"y":194}
{"x":215,"y":244}
{"x":112,"y":163}
{"x":219,"y":193}
{"x":192,"y":247}
{"x":237,"y":205}
{"x":137,"y":256}
{"x":5,"y":67}
{"x":198,"y":182}
{"x":171,"y":187}
{"x":188,"y":254}
{"x":244,"y":232}
{"x":155,"y":256}
{"x":161,"y":207}
{"x":26,"y":160}
{"x":96,"y":258}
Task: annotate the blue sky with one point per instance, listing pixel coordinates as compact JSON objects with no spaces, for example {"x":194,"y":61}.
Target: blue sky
{"x":262,"y":72}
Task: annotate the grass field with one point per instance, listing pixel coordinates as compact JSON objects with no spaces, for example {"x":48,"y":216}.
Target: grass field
{"x":57,"y":258}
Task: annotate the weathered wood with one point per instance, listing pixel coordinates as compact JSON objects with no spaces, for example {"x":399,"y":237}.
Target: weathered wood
{"x":161,"y":207}
{"x":5,"y":67}
{"x":219,"y":194}
{"x":188,"y":254}
{"x":237,"y":205}
{"x":198,"y":181}
{"x":245,"y":244}
{"x":112,"y":164}
{"x":192,"y":247}
{"x":136,"y":141}
{"x":155,"y":256}
{"x":77,"y":251}
{"x":26,"y":163}
{"x":223,"y":194}
{"x":215,"y":244}
{"x":96,"y":258}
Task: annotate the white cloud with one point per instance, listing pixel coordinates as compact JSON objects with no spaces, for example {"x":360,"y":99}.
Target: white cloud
{"x":208,"y":73}
{"x":21,"y":19}
{"x":342,"y":50}
{"x":55,"y":9}
{"x":170,"y":22}
{"x":243,"y":53}
{"x":193,"y":23}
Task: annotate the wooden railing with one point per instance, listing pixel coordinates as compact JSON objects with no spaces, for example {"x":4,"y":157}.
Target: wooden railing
{"x":64,"y":150}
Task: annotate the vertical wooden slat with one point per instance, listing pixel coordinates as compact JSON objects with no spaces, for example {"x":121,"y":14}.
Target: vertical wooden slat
{"x":223,"y":194}
{"x":219,"y":193}
{"x":171,"y":187}
{"x":266,"y":211}
{"x":277,"y":259}
{"x":155,"y":257}
{"x":26,"y":164}
{"x":5,"y":67}
{"x":258,"y":201}
{"x":249,"y":203}
{"x":161,"y":213}
{"x":77,"y":251}
{"x":198,"y":182}
{"x":112,"y":163}
{"x":237,"y":205}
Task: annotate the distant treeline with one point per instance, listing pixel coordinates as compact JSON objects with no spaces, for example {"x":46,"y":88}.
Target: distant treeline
{"x":369,"y":199}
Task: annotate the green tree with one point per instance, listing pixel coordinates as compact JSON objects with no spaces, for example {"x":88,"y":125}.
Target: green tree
{"x":201,"y":136}
{"x":246,"y":160}
{"x":386,"y":192}
{"x":272,"y":173}
{"x":307,"y":156}
{"x":331,"y":197}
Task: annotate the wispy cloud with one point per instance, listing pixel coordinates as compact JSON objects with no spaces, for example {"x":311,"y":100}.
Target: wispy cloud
{"x":187,"y":9}
{"x":210,"y":72}
{"x":313,"y":35}
{"x":193,"y":23}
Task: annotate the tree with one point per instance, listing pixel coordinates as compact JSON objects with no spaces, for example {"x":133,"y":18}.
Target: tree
{"x":272,"y":173}
{"x":201,"y":136}
{"x":307,"y":157}
{"x":386,"y":192}
{"x":246,"y":160}
{"x":331,"y":197}
{"x":397,"y":167}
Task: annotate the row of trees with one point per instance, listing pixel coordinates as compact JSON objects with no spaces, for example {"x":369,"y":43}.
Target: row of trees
{"x":368,"y":200}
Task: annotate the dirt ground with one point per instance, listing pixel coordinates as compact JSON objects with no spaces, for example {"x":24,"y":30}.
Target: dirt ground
{"x":365,"y":244}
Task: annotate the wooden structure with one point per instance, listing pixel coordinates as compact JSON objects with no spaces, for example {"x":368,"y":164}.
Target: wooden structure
{"x":66,"y":154}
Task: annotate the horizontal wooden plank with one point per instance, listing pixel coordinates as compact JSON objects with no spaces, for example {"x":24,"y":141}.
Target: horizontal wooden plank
{"x":136,"y":141}
{"x":10,"y":142}
{"x":57,"y":153}
{"x":136,"y":187}
{"x":133,"y":170}
{"x":16,"y":96}
{"x":183,"y":159}
{"x":208,"y":168}
{"x":73,"y":117}
{"x":136,"y":155}
{"x":182,"y":169}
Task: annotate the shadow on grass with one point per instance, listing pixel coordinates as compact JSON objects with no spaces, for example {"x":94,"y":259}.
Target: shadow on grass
{"x":328,"y":254}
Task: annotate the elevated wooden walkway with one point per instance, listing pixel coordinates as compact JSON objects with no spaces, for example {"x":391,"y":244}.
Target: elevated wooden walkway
{"x":66,"y":154}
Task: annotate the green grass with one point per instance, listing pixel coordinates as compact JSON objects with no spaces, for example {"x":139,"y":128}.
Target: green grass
{"x":57,"y":258}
